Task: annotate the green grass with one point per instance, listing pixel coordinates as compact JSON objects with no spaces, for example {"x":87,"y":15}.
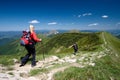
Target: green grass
{"x":85,"y":41}
{"x":37,"y":71}
{"x":113,"y":42}
{"x":6,"y":60}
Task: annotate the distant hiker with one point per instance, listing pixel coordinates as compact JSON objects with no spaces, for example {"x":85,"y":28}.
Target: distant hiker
{"x":75,"y":47}
{"x":30,"y":47}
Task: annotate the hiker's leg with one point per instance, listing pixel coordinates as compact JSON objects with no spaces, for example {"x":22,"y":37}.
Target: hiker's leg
{"x":33,"y":56}
{"x":33,"y":52}
{"x":25,"y":59}
{"x":33,"y":59}
{"x":75,"y":51}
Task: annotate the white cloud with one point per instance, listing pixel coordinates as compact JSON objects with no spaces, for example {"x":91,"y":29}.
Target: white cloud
{"x":87,"y":14}
{"x":105,"y":16}
{"x":52,"y":23}
{"x":34,"y":21}
{"x":93,"y":24}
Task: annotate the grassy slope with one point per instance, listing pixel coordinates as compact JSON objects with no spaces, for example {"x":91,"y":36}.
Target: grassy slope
{"x":62,"y":42}
{"x":107,"y":68}
{"x":11,"y":48}
{"x":113,"y":42}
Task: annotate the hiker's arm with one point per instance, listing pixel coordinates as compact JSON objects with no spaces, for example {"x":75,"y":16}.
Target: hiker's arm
{"x":35,"y":37}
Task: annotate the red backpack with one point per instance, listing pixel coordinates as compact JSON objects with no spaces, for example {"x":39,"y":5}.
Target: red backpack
{"x":25,"y":38}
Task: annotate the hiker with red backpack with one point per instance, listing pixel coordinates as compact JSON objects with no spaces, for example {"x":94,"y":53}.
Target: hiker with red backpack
{"x":29,"y":39}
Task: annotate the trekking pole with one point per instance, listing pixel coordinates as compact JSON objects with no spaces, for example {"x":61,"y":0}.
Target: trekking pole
{"x":43,"y":51}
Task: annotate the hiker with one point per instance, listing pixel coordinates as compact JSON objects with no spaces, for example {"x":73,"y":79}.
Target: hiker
{"x":30,"y":47}
{"x":75,"y":47}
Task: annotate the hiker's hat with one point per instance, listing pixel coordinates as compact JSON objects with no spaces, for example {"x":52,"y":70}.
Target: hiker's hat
{"x":31,"y":26}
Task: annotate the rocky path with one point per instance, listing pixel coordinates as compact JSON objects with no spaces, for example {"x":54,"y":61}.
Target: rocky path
{"x":22,"y":73}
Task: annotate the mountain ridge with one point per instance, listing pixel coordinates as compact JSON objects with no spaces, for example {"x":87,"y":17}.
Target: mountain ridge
{"x":86,"y":41}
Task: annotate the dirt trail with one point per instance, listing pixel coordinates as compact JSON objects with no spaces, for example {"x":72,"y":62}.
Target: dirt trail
{"x":22,"y":73}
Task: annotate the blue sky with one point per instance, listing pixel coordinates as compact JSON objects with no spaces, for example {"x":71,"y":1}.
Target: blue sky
{"x":59,"y":14}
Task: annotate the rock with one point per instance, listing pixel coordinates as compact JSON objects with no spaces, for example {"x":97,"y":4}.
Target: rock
{"x":15,"y":60}
{"x":92,"y":64}
{"x":66,"y":58}
{"x":50,"y":59}
{"x":61,"y":60}
{"x":82,"y":58}
{"x":32,"y":78}
{"x":71,"y":60}
{"x":55,"y":58}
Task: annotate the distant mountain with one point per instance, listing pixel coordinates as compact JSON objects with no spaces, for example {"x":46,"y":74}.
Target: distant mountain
{"x":8,"y":36}
{"x":4,"y":41}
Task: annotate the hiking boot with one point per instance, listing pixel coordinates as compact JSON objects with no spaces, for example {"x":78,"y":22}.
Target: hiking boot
{"x":21,"y":65}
